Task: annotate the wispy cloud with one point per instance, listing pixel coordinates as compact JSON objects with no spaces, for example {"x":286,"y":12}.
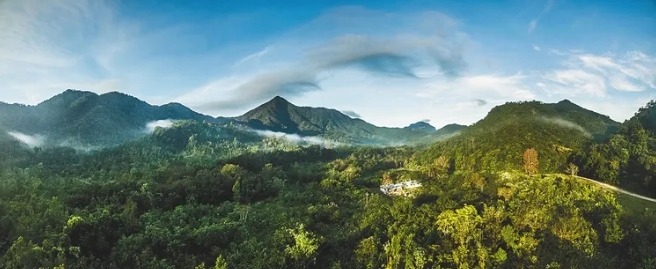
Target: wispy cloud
{"x":534,"y":22}
{"x":57,"y":41}
{"x":297,"y":139}
{"x":351,"y":114}
{"x":594,"y":75}
{"x":566,"y":124}
{"x":254,"y":56}
{"x":489,"y":85}
{"x":398,"y":54}
{"x":536,"y":48}
{"x":532,"y":25}
{"x":575,"y":82}
{"x":30,"y":140}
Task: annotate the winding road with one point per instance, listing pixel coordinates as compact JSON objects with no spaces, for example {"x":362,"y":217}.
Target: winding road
{"x":611,"y":187}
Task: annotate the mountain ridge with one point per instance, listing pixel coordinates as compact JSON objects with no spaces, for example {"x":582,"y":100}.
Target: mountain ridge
{"x":89,"y":118}
{"x":280,"y":115}
{"x":114,"y":118}
{"x":498,"y":141}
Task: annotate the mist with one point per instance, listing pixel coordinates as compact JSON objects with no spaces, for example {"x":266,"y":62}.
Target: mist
{"x":566,"y":124}
{"x":31,"y":140}
{"x":151,"y":126}
{"x":297,"y":139}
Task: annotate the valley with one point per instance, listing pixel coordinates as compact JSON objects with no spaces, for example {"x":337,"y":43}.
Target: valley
{"x":284,"y":186}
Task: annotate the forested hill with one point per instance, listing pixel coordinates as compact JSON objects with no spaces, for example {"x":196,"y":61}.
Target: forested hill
{"x":88,"y":118}
{"x":421,"y":126}
{"x":201,"y":195}
{"x":85,"y":119}
{"x":282,"y":116}
{"x":497,"y":142}
{"x":628,"y":158}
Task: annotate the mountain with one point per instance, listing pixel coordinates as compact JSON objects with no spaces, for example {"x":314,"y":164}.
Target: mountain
{"x":626,"y":159}
{"x":90,"y":119}
{"x":421,"y":126}
{"x":279,"y":115}
{"x":498,"y":141}
{"x":450,"y":129}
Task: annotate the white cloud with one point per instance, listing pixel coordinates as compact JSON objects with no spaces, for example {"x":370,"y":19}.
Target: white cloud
{"x":595,"y":75}
{"x":253,"y":56}
{"x":50,"y":46}
{"x":534,"y":22}
{"x":536,"y":47}
{"x":532,"y":25}
{"x":151,"y":126}
{"x":297,"y":139}
{"x":575,"y":81}
{"x":483,"y":86}
{"x":30,"y":140}
{"x":414,"y":40}
{"x":566,"y":124}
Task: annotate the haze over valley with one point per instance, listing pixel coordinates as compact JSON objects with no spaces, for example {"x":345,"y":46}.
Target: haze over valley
{"x":326,"y":134}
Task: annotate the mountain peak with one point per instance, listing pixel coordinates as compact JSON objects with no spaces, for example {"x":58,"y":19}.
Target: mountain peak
{"x":278,"y":100}
{"x":421,"y":126}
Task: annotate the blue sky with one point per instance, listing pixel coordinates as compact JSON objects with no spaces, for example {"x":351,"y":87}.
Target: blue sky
{"x":390,"y":62}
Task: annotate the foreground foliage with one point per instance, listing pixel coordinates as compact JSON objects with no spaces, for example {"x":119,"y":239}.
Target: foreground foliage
{"x":201,"y":196}
{"x":305,"y":207}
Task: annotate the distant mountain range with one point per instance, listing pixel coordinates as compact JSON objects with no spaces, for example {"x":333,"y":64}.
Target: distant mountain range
{"x":91,"y":119}
{"x":85,"y":118}
{"x":279,"y":115}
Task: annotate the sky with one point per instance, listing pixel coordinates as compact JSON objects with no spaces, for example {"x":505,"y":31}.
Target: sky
{"x":388,"y":62}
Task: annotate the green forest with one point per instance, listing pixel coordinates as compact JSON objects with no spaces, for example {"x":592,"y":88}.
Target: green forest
{"x":503,"y":193}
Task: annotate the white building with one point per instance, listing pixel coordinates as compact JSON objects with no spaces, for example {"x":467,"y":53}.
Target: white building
{"x":400,"y":188}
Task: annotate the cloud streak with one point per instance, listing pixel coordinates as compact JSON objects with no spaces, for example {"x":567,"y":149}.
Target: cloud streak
{"x":392,"y":55}
{"x":253,"y":56}
{"x":534,"y":22}
{"x":507,"y":87}
{"x":594,"y":75}
{"x":351,"y":114}
{"x":566,"y":124}
{"x":297,"y":139}
{"x":30,"y":140}
{"x":60,"y":42}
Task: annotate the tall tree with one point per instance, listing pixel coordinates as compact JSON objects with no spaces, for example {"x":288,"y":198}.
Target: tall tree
{"x":531,"y":162}
{"x":440,"y":166}
{"x":572,"y":169}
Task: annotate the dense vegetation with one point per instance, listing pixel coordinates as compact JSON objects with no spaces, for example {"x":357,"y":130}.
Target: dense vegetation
{"x":279,"y":115}
{"x":628,"y":158}
{"x":82,"y":119}
{"x":205,"y":195}
{"x":86,"y":118}
{"x":497,"y":142}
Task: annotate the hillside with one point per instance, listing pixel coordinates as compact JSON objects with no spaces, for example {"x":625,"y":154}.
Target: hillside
{"x":628,"y":158}
{"x":79,"y":117}
{"x":198,"y":195}
{"x":498,"y":141}
{"x":279,"y":115}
